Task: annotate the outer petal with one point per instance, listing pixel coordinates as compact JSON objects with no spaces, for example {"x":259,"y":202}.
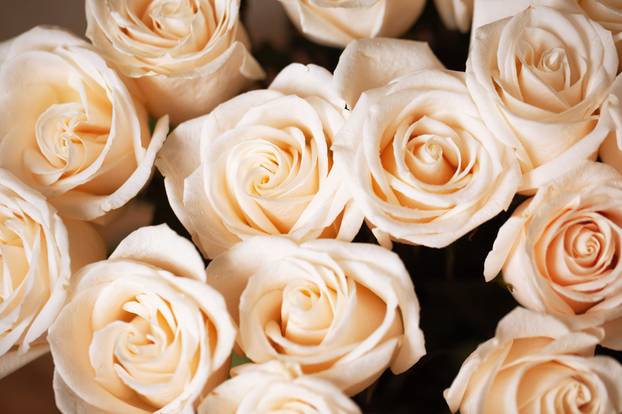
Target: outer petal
{"x":189,"y":95}
{"x":180,"y":257}
{"x":456,"y":14}
{"x":372,"y":63}
{"x":14,"y":360}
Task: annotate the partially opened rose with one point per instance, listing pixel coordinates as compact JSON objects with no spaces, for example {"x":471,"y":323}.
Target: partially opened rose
{"x":338,"y":22}
{"x":187,"y":56}
{"x":142,"y":333}
{"x":420,"y":162}
{"x":535,"y":364}
{"x":70,"y":127}
{"x":561,"y":250}
{"x":544,"y":83}
{"x":260,"y":164}
{"x":456,"y":14}
{"x":275,"y":388}
{"x":37,"y":255}
{"x":344,"y":311}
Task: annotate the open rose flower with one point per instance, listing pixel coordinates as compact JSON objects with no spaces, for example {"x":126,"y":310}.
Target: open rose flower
{"x":187,"y":56}
{"x":544,"y":83}
{"x":37,"y":255}
{"x":456,"y":14}
{"x":69,"y":126}
{"x":260,"y":164}
{"x":275,"y":388}
{"x":344,"y":311}
{"x":338,"y":22}
{"x":561,"y":250}
{"x":534,"y":364}
{"x":420,"y":162}
{"x":142,"y":331}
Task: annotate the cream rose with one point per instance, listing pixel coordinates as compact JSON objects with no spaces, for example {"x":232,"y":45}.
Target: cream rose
{"x":37,"y":254}
{"x":274,"y":387}
{"x":187,"y":56}
{"x":69,"y":126}
{"x":456,"y":14}
{"x":419,"y":160}
{"x":344,"y":311}
{"x":561,"y":250}
{"x":543,"y":83}
{"x":260,"y":164}
{"x":142,"y":332}
{"x":338,"y":22}
{"x":534,"y":364}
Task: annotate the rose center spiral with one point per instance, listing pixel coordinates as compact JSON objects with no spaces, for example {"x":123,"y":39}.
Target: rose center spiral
{"x":171,"y":19}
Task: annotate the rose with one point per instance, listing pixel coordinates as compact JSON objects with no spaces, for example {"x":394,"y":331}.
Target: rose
{"x":37,"y":254}
{"x":260,"y":164}
{"x":69,"y":126}
{"x":456,"y":14}
{"x":142,"y":332}
{"x":274,"y":387}
{"x":343,"y":311}
{"x":420,"y":163}
{"x":542,"y":81}
{"x":337,"y":22}
{"x":187,"y":56}
{"x":535,"y":364}
{"x":560,"y":251}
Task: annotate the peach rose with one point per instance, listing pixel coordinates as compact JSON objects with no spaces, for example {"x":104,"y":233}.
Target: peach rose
{"x":275,"y":387}
{"x":544,"y":83}
{"x":420,"y":162}
{"x":560,"y":251}
{"x":534,"y":364}
{"x":338,"y":22}
{"x":187,"y":56}
{"x":69,"y":126}
{"x":37,"y":255}
{"x":260,"y":164}
{"x":456,"y":14}
{"x":142,"y":332}
{"x":344,"y":311}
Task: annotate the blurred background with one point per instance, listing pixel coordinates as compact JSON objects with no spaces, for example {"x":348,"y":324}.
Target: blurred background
{"x":459,"y":310}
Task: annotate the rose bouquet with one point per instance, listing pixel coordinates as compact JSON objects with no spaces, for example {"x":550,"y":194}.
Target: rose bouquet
{"x":294,"y":206}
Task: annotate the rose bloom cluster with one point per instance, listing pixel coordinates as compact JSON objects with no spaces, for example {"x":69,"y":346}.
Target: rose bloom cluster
{"x":274,"y":184}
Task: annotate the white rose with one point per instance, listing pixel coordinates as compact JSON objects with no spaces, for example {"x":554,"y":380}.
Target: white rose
{"x":420,"y":162}
{"x":274,"y":387}
{"x":37,"y":254}
{"x":260,"y":164}
{"x":338,"y":22}
{"x":344,"y":311}
{"x":544,"y":83}
{"x":187,"y":56}
{"x":456,"y":14}
{"x":560,"y":251}
{"x":69,"y":126}
{"x":535,"y":364}
{"x":142,"y":331}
